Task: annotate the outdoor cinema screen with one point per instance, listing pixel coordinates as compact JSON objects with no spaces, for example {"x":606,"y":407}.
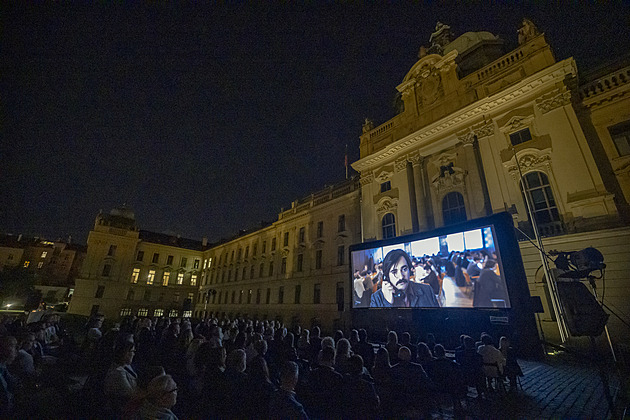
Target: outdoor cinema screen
{"x":461,"y":269}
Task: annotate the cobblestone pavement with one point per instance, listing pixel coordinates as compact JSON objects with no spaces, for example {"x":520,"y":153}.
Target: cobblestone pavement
{"x":560,"y":387}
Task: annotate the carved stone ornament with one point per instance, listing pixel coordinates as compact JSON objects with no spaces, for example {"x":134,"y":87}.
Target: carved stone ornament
{"x":529,"y":160}
{"x":553,"y":100}
{"x":483,"y":129}
{"x":415,"y":158}
{"x":466,"y":137}
{"x":366,"y":179}
{"x":401,"y":164}
{"x":285,"y":252}
{"x":444,"y":159}
{"x":516,"y":123}
{"x":429,"y":87}
{"x":383,"y":176}
{"x":387,"y":205}
{"x":449,"y":180}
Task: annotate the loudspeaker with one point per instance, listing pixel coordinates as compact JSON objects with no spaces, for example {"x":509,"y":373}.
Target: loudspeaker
{"x":584,"y":315}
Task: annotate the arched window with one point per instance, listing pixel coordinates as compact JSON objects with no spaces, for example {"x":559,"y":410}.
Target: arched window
{"x":389,"y":226}
{"x":453,"y":208}
{"x":536,"y":184}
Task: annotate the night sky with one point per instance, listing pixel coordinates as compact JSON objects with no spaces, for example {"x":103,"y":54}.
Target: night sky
{"x":209,"y":119}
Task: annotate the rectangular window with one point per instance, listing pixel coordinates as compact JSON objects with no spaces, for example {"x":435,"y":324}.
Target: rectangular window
{"x":249,"y":296}
{"x":341,"y":223}
{"x":44,"y":253}
{"x":234,"y":296}
{"x":230,"y":275}
{"x":244,"y":274}
{"x":298,"y":292}
{"x":225,"y":297}
{"x":173,"y":313}
{"x":158,"y":312}
{"x":151,"y":277}
{"x":264,"y":247}
{"x":143,"y":312}
{"x":140,"y":256}
{"x":239,"y":254}
{"x":135,"y":275}
{"x":520,"y":136}
{"x":251,"y":272}
{"x":317,"y":293}
{"x":247,"y":251}
{"x":205,"y":263}
{"x":187,"y":314}
{"x":196,"y":264}
{"x":620,"y":134}
{"x":255,"y":249}
{"x":271,"y":268}
{"x":320,"y":229}
{"x":386,"y":186}
{"x":112,"y":251}
{"x":193,"y":280}
{"x":169,"y":260}
{"x":340,"y":255}
{"x":165,"y":278}
{"x":131,"y":294}
{"x":302,"y":234}
{"x":156,"y":258}
{"x":340,"y":296}
{"x":273,"y":244}
{"x":183,"y":262}
{"x":147,"y":295}
{"x":281,"y":294}
{"x":125,"y":312}
{"x":318,"y":259}
{"x":107,"y":268}
{"x":268,"y":296}
{"x":41,"y":264}
{"x":232,"y":256}
{"x":99,"y":292}
{"x":258,"y":297}
{"x":283,"y":266}
{"x":240,"y":297}
{"x":262,"y":268}
{"x":180,"y":278}
{"x":285,"y":242}
{"x":300,"y":262}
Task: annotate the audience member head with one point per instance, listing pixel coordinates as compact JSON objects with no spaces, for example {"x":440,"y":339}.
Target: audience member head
{"x":343,"y":348}
{"x":162,"y":391}
{"x":382,"y":358}
{"x":405,"y":338}
{"x":404,"y":354}
{"x":439,"y":352}
{"x":261,"y":347}
{"x":124,"y":352}
{"x":469,"y":343}
{"x":392,"y":337}
{"x":486,"y":340}
{"x":258,"y":370}
{"x":327,"y":356}
{"x":362,"y":335}
{"x":355,"y":365}
{"x":236,"y":360}
{"x":490,"y":263}
{"x":8,"y":349}
{"x":289,"y":376}
{"x":424,"y":353}
{"x":338,"y":335}
{"x":315,"y":331}
{"x":328,"y":341}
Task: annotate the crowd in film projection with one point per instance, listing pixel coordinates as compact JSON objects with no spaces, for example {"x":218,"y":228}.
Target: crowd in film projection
{"x":143,"y":368}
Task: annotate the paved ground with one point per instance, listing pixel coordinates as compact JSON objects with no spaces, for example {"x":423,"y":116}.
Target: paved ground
{"x":561,"y":387}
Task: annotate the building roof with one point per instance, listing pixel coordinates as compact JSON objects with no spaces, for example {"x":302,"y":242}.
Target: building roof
{"x":171,"y":240}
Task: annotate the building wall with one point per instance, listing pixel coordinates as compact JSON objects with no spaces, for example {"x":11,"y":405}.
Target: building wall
{"x":231,"y":265}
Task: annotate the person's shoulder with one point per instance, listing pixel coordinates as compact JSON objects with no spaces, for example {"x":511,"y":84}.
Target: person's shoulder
{"x":377,"y":298}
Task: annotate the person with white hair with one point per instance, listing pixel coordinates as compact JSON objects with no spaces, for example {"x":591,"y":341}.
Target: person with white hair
{"x":160,"y":397}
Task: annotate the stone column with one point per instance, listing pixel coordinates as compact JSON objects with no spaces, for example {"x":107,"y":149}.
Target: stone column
{"x":428,"y":203}
{"x":420,"y":193}
{"x":475,"y":191}
{"x":413,"y":203}
{"x":481,"y":131}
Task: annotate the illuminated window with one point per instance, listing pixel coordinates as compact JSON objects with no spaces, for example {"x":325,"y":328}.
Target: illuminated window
{"x":209,"y":262}
{"x":183,"y":262}
{"x":341,"y":223}
{"x":388,"y":225}
{"x":135,"y":275}
{"x":620,"y":134}
{"x":158,"y":312}
{"x":125,"y":312}
{"x":300,"y":262}
{"x":41,"y":264}
{"x":205,"y":263}
{"x":143,"y":312}
{"x":187,"y":314}
{"x":340,"y":254}
{"x":156,"y":258}
{"x":317,"y":293}
{"x":44,"y":253}
{"x":320,"y":229}
{"x":520,"y":136}
{"x":180,"y":278}
{"x":298,"y":292}
{"x":283,"y":265}
{"x":193,"y":280}
{"x":386,"y":186}
{"x":318,"y":259}
{"x":165,"y":278}
{"x":106,"y":270}
{"x":140,"y":256}
{"x":169,"y":260}
{"x":196,"y":264}
{"x":151,"y":276}
{"x":27,"y":263}
{"x":281,"y":294}
{"x":112,"y":251}
{"x":173,"y":313}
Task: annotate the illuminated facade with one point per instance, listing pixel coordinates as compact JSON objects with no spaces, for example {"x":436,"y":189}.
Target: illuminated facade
{"x":472,"y":124}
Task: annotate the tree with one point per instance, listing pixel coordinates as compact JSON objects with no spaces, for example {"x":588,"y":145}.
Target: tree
{"x":16,"y":282}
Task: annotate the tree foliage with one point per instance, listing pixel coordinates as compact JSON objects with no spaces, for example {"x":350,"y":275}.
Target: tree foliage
{"x":16,"y":281}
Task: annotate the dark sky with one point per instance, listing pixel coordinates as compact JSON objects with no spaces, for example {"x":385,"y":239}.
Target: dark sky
{"x":209,"y":119}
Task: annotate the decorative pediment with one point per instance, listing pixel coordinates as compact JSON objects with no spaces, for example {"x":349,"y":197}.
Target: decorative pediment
{"x":529,"y":160}
{"x":449,"y":178}
{"x":444,"y":159}
{"x":285,"y":252}
{"x":553,"y":100}
{"x":516,"y":120}
{"x":340,"y":240}
{"x":319,"y":244}
{"x":386,"y":205}
{"x":384,"y":174}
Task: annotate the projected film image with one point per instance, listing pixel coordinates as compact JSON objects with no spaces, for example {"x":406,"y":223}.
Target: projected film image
{"x":460,"y":270}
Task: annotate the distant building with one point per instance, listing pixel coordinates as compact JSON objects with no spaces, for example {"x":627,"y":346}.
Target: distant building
{"x":128,"y":271}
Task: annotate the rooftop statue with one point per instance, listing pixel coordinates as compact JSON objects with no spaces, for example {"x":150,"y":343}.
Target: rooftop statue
{"x":527,"y":31}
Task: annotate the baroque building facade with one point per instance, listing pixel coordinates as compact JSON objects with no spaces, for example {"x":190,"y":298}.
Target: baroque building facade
{"x":480,"y":132}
